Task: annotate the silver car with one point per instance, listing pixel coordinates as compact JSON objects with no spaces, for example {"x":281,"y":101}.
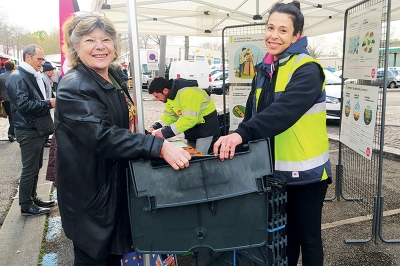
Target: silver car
{"x":391,"y":81}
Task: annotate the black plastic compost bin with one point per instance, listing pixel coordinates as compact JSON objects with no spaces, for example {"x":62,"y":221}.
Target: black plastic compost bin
{"x":214,"y":204}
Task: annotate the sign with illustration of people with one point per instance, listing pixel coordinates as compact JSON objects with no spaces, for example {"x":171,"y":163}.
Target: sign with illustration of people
{"x":363,"y":33}
{"x":359,"y":118}
{"x":245,"y":52}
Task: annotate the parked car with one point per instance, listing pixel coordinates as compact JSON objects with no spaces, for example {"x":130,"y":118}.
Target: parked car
{"x":216,"y":85}
{"x":218,"y":66}
{"x":338,"y":73}
{"x":396,"y":71}
{"x":215,"y":71}
{"x":333,"y":90}
{"x":392,"y":80}
{"x":219,"y":76}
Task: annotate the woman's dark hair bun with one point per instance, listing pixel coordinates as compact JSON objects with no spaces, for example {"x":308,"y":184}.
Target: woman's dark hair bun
{"x":295,"y":3}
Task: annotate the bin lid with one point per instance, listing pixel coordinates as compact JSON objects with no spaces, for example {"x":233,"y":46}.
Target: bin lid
{"x":206,"y":178}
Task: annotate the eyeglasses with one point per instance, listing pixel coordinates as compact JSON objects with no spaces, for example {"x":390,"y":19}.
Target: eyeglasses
{"x":40,"y":60}
{"x":83,"y":15}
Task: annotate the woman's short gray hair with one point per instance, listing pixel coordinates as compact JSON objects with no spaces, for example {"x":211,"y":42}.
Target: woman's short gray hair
{"x":75,"y":27}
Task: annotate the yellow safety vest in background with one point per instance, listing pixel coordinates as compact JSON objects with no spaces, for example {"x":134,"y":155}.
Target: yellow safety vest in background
{"x":187,"y":109}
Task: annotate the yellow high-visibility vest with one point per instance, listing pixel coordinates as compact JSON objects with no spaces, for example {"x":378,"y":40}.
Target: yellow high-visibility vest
{"x":302,"y":151}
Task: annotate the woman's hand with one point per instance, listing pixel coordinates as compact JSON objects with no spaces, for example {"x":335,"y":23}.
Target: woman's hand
{"x":227,"y":145}
{"x":157,"y":133}
{"x":177,"y":157}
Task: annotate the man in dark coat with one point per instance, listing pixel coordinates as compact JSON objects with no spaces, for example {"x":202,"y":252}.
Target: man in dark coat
{"x":26,"y":90}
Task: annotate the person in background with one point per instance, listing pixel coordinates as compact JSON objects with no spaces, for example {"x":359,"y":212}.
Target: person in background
{"x":287,"y":105}
{"x":125,"y":71}
{"x":56,"y":78}
{"x":188,"y":109}
{"x":95,"y":143}
{"x":9,"y":66}
{"x":2,"y":69}
{"x":47,"y":72}
{"x":27,"y":94}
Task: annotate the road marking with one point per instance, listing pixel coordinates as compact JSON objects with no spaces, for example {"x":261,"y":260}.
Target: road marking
{"x":357,"y":219}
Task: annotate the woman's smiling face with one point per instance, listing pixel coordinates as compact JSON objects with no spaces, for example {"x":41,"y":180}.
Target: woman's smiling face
{"x":96,"y":50}
{"x":279,"y":33}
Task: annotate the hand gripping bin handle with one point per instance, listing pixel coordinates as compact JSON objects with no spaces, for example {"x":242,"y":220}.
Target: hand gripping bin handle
{"x":221,"y":205}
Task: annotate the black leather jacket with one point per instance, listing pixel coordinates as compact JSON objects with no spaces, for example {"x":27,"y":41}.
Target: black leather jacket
{"x":27,"y":102}
{"x":94,"y":147}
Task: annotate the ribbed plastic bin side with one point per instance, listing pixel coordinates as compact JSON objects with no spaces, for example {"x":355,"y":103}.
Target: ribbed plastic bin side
{"x":273,"y":253}
{"x":218,"y":205}
{"x":223,"y":125}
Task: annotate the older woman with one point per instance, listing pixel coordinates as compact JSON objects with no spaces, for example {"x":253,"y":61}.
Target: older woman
{"x":95,"y":143}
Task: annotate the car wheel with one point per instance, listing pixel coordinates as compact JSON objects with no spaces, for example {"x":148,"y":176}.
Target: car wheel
{"x":392,"y":85}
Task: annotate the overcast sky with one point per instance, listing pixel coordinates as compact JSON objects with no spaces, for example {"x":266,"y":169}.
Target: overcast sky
{"x":36,"y":15}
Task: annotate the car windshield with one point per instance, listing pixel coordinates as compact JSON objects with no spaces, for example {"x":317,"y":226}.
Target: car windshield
{"x":218,"y":76}
{"x":332,"y":79}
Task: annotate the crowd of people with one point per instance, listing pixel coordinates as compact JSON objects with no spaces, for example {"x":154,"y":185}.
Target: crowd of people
{"x":94,"y":137}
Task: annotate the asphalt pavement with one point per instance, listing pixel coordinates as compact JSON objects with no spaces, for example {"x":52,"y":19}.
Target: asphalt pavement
{"x":21,"y":237}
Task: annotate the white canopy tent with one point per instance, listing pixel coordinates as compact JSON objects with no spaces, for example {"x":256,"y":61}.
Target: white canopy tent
{"x":209,"y":17}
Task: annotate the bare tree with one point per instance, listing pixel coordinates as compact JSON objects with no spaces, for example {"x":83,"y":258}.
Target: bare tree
{"x":212,"y":45}
{"x":124,"y":44}
{"x":146,"y":42}
{"x":156,"y":39}
{"x":337,"y":47}
{"x":317,"y":46}
{"x":16,"y":43}
{"x":394,"y":36}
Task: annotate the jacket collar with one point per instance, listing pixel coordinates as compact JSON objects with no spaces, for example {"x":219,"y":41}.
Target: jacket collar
{"x":30,"y":80}
{"x":177,"y":84}
{"x":102,"y":82}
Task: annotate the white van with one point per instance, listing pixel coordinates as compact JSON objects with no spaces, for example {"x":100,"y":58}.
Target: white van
{"x":198,"y":70}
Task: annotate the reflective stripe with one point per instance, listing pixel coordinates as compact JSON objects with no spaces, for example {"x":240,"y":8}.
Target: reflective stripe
{"x":284,"y":60}
{"x":169,"y":113}
{"x":174,"y":129}
{"x":302,"y":165}
{"x":163,"y":124}
{"x":316,"y":108}
{"x":319,"y":173}
{"x":298,"y":58}
{"x":190,"y":113}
